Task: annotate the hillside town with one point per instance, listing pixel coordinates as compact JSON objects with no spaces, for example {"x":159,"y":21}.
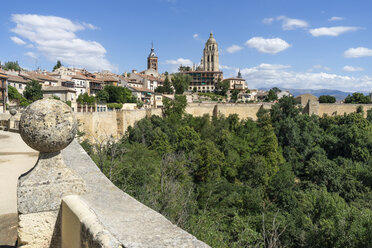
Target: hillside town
{"x":147,"y":87}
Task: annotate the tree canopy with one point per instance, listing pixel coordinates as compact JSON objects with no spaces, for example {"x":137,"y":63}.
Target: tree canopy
{"x":33,"y":91}
{"x":115,"y":94}
{"x":180,"y":82}
{"x":11,"y":65}
{"x":58,"y":65}
{"x":357,"y":98}
{"x":327,"y":99}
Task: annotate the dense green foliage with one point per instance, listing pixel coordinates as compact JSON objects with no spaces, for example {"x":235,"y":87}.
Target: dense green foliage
{"x":166,"y":88}
{"x":17,"y":97}
{"x":358,"y":98}
{"x":11,"y":65}
{"x":285,"y":180}
{"x":212,"y":96}
{"x":85,"y":99}
{"x":115,"y":105}
{"x":327,"y":99}
{"x":33,"y":91}
{"x":58,"y":65}
{"x":180,"y":82}
{"x":13,"y":93}
{"x":222,"y":87}
{"x":272,"y":95}
{"x":114,"y":94}
{"x":234,"y":95}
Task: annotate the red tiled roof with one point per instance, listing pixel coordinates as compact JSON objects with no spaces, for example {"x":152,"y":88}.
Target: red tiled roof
{"x":141,"y":89}
{"x":18,"y":79}
{"x":149,"y":77}
{"x":57,"y":88}
{"x":79,"y":76}
{"x":38,"y":76}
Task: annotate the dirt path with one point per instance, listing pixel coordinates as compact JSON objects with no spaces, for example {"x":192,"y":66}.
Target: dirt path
{"x":16,"y":158}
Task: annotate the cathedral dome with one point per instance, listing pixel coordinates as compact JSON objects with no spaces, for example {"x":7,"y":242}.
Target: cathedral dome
{"x":211,"y":39}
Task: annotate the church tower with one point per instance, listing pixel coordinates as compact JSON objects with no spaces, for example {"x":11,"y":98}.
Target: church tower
{"x":152,"y":60}
{"x":209,"y":60}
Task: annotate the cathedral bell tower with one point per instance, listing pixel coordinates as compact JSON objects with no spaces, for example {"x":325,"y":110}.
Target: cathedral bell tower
{"x":152,"y":60}
{"x":210,"y":55}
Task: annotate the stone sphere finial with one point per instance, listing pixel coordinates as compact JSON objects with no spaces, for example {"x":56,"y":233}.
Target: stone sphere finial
{"x":12,"y":111}
{"x":48,"y":125}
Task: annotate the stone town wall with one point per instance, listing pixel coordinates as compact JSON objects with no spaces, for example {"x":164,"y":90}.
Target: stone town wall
{"x":106,"y":124}
{"x":98,"y":126}
{"x":340,"y":109}
{"x":243,"y":110}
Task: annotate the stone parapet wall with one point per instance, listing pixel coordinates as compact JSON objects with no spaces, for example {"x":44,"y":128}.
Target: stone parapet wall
{"x":100,"y":125}
{"x":104,"y":214}
{"x":340,"y":109}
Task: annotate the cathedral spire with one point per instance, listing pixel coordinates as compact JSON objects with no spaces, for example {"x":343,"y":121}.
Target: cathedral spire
{"x":239,"y":74}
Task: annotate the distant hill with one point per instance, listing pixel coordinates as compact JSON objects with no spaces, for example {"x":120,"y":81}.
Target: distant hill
{"x":340,"y":95}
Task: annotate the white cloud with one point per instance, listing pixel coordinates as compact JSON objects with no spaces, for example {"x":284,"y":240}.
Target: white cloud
{"x":268,"y":76}
{"x":335,"y":18}
{"x":331,"y":31}
{"x":196,"y":36}
{"x":55,"y":38}
{"x":272,"y":46}
{"x":17,"y":40}
{"x":179,"y":61}
{"x":290,"y":23}
{"x":319,"y":67}
{"x":175,"y":63}
{"x":226,"y":67}
{"x":31,"y":55}
{"x":233,"y":49}
{"x":352,"y":68}
{"x":268,"y":20}
{"x":90,"y":26}
{"x":358,"y":52}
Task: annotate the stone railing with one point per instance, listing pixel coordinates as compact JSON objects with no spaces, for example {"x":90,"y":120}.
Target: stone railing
{"x":65,"y":201}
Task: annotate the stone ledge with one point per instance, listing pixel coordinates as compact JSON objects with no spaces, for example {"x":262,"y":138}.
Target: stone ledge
{"x":81,"y":227}
{"x":129,"y":221}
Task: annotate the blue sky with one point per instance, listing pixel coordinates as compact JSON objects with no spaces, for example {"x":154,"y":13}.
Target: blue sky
{"x":286,"y":43}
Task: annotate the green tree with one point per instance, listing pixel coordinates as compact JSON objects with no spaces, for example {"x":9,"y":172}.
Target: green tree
{"x":102,"y":96}
{"x":167,"y":86}
{"x":13,"y":94}
{"x":33,"y":91}
{"x":327,"y":99}
{"x":174,"y":109}
{"x":272,"y":95}
{"x":222,"y":87}
{"x":11,"y":65}
{"x":357,"y":98}
{"x":181,"y":82}
{"x":234,"y":95}
{"x":112,"y":94}
{"x":58,"y":65}
{"x":86,"y":99}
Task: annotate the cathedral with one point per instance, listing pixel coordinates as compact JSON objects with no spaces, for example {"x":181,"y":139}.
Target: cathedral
{"x":207,"y":74}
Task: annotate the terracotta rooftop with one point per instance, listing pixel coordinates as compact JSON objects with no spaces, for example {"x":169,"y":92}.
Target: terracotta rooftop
{"x":149,"y":77}
{"x":141,"y":89}
{"x":57,"y":88}
{"x":18,"y":79}
{"x":38,"y":76}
